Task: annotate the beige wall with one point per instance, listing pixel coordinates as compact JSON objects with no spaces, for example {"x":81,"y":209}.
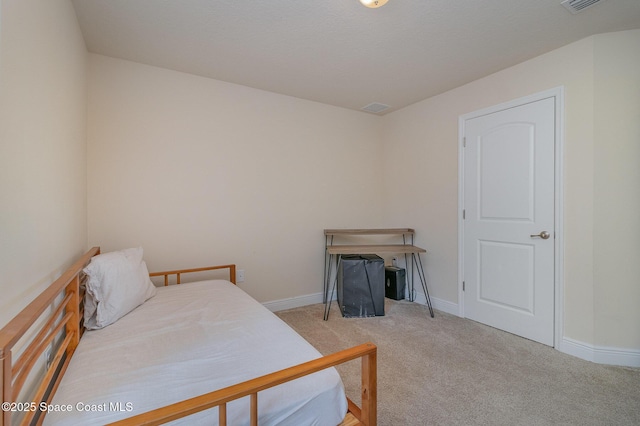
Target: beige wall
{"x":197,"y":171}
{"x":616,"y":233}
{"x":600,"y":76}
{"x":43,"y":224}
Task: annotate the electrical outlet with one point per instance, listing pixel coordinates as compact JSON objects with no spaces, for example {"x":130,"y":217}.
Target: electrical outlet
{"x":240,"y":275}
{"x":47,"y":357}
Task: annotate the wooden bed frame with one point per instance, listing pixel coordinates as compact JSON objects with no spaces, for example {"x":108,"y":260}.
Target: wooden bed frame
{"x":53,"y":324}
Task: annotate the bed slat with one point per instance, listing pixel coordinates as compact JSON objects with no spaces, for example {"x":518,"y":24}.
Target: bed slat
{"x":254,"y":409}
{"x":369,"y":389}
{"x":222,"y":415}
{"x":5,"y":357}
{"x":73,"y":326}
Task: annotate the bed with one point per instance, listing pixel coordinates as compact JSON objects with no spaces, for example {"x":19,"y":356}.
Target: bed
{"x":211,"y":355}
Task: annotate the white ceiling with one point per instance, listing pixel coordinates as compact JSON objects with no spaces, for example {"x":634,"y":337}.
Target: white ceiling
{"x":337,"y":51}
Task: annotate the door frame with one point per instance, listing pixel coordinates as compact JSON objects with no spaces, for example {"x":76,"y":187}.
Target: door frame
{"x":557,"y":94}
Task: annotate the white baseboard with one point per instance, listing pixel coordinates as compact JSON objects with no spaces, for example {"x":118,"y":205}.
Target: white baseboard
{"x":311,"y":299}
{"x":439,"y":304}
{"x":600,"y":354}
{"x":293,"y":302}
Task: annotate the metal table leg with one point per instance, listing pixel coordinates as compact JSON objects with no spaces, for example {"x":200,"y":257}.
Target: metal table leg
{"x":327,"y":305}
{"x":423,"y":280}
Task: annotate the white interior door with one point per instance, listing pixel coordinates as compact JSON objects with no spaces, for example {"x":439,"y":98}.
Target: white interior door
{"x":509,"y":164}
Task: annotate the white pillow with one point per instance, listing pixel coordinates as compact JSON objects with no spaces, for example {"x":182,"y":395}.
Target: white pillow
{"x":118,"y":283}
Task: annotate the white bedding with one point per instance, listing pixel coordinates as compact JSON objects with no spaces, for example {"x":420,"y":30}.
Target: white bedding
{"x":188,"y":340}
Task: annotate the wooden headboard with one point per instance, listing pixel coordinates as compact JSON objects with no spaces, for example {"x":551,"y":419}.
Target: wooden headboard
{"x":55,"y":314}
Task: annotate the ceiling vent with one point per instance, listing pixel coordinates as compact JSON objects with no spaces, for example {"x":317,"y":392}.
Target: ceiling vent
{"x":375,"y":108}
{"x":575,"y":6}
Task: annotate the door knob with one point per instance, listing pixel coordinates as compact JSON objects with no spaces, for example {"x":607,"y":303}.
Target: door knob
{"x":544,"y":235}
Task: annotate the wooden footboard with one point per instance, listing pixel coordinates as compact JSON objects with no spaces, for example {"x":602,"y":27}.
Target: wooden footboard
{"x":219,"y":398}
{"x":53,"y":324}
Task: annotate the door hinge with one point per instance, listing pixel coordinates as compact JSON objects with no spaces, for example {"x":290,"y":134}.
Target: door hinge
{"x":463,"y":286}
{"x":464,"y":142}
{"x":464,"y":214}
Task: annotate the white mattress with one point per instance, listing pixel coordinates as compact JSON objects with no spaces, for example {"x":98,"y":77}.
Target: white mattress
{"x":188,"y":340}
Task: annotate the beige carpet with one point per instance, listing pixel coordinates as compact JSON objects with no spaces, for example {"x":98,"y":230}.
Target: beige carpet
{"x":451,"y":371}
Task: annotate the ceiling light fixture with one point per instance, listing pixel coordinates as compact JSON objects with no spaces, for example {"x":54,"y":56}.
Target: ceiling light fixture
{"x":373,"y":3}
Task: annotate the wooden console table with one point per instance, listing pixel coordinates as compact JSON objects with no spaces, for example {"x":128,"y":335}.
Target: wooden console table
{"x":334,"y":253}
